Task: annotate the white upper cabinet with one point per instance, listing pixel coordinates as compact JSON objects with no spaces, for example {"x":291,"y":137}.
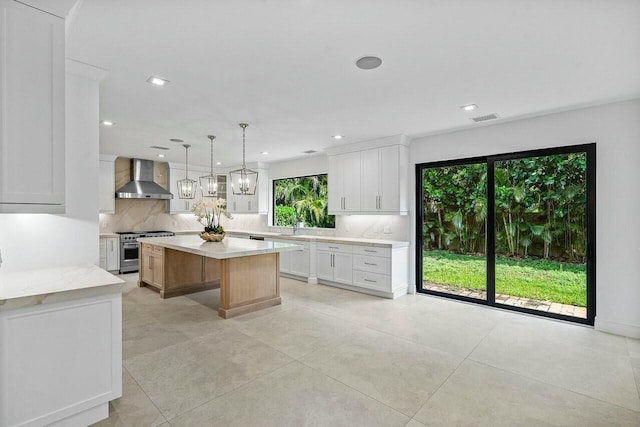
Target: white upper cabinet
{"x":344,"y":183}
{"x":257,"y":203}
{"x":32,"y":119}
{"x":370,"y":180}
{"x":177,"y":205}
{"x":384,"y":180}
{"x":107,"y":193}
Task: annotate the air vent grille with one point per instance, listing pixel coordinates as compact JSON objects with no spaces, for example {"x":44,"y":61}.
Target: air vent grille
{"x":309,"y":151}
{"x":157,"y":147}
{"x":485,"y":118}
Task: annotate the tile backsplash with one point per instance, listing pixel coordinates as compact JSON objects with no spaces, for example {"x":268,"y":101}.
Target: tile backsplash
{"x":146,"y":215}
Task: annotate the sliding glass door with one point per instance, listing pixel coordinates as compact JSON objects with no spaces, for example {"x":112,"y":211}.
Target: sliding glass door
{"x":454,"y":207}
{"x":514,"y":230}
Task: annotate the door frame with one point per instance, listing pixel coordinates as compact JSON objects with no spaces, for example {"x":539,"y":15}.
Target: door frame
{"x":489,"y":160}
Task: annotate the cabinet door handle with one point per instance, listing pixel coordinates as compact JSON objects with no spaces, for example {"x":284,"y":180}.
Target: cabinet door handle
{"x":234,"y":206}
{"x":111,"y":246}
{"x":371,"y":250}
{"x":370,"y":281}
{"x":370,"y":263}
{"x":333,"y":260}
{"x":249,"y":204}
{"x":333,"y":247}
{"x":150,"y":263}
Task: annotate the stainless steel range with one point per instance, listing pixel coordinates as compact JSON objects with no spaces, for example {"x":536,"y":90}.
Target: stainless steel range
{"x":129,"y":247}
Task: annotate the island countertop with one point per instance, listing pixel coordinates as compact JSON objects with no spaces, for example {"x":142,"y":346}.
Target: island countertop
{"x":230,"y":247}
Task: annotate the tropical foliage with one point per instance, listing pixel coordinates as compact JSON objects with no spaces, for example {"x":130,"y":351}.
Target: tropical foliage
{"x":302,"y":199}
{"x":540,"y":207}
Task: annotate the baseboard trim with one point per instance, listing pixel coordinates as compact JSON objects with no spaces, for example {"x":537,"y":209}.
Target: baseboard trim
{"x":617,"y":328}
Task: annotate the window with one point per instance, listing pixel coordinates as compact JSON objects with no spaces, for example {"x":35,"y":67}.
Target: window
{"x":301,"y":199}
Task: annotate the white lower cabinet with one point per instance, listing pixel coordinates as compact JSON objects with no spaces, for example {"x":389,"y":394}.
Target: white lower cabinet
{"x":381,"y":271}
{"x":300,"y":262}
{"x":335,"y":263}
{"x":296,"y":263}
{"x":110,"y":254}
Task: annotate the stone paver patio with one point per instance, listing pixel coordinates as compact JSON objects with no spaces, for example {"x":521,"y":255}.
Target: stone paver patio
{"x":546,"y":306}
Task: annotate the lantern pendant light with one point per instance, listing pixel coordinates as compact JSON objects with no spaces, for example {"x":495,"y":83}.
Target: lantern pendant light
{"x":209,"y":183}
{"x":243,"y":181}
{"x":186,"y":186}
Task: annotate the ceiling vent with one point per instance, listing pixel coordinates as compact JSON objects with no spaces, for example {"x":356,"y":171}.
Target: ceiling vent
{"x":157,"y":147}
{"x":485,"y":118}
{"x":309,"y":151}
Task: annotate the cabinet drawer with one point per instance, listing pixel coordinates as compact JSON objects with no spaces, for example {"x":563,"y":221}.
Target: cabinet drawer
{"x":157,"y":249}
{"x":335,"y":247}
{"x":372,"y":263}
{"x":146,"y":248}
{"x":379,"y":282}
{"x":372,"y":250}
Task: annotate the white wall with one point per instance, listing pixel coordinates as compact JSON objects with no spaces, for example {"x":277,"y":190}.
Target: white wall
{"x":31,"y":241}
{"x":311,"y":165}
{"x":616,"y":130}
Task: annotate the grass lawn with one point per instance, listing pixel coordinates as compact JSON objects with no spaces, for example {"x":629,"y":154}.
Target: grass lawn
{"x":532,"y":278}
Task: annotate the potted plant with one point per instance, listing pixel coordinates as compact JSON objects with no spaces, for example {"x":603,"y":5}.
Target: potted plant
{"x":208,"y":213}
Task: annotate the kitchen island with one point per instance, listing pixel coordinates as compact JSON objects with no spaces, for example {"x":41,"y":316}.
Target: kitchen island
{"x":246,"y":271}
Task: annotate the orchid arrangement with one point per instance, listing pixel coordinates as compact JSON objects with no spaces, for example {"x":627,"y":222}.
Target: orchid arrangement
{"x":208,"y":213}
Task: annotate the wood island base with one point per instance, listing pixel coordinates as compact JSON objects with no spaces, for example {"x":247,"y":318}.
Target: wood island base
{"x":247,"y":283}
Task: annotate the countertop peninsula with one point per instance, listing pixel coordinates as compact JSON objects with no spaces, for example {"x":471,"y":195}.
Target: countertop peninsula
{"x":41,"y":286}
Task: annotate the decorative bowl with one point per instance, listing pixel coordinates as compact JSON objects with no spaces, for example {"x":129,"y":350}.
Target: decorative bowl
{"x":211,"y":237}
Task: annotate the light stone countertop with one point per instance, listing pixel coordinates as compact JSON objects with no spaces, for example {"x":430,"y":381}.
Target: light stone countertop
{"x":49,"y":285}
{"x":326,"y":239}
{"x":108,"y":235}
{"x":230,"y":247}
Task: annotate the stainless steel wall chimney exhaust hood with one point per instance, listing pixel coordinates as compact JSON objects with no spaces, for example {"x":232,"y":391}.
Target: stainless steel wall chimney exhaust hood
{"x":142,"y":185}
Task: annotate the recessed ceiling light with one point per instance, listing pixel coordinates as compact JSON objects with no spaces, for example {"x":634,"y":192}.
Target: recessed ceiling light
{"x":157,"y":81}
{"x":265,"y":152}
{"x":107,"y":123}
{"x":337,"y":136}
{"x":161,"y":155}
{"x":368,"y":62}
{"x":176,"y":140}
{"x":469,"y":107}
{"x":218,"y":163}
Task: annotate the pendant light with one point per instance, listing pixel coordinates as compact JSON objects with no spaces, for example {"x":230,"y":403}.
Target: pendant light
{"x":186,"y":186}
{"x":209,"y":183}
{"x":243,"y":181}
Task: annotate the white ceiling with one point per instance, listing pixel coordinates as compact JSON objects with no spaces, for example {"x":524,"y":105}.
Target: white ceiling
{"x":287,"y":68}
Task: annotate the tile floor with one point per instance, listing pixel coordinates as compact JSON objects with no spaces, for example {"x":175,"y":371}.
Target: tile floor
{"x":329,"y":357}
